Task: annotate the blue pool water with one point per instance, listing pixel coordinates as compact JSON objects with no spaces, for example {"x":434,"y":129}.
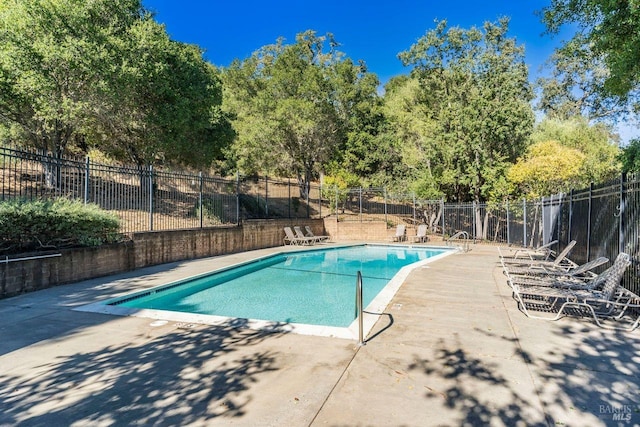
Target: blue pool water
{"x":312,"y":287}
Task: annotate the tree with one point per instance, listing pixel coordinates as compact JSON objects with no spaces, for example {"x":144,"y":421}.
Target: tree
{"x":612,"y":29}
{"x":51,"y":57}
{"x":575,"y":86}
{"x":474,"y":96}
{"x":161,"y":102}
{"x":630,"y":156}
{"x":421,"y":159}
{"x":293,"y":105}
{"x":595,"y":141}
{"x":547,"y":167}
{"x":103,"y":73}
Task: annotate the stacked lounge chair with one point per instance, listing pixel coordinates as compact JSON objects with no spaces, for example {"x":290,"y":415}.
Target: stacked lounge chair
{"x":562,"y":288}
{"x":309,"y":233}
{"x":295,"y":236}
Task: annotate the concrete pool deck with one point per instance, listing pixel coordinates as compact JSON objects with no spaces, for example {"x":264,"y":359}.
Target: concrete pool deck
{"x":450,"y":349}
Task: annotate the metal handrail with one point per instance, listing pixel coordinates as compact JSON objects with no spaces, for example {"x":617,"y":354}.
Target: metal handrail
{"x":359,"y":309}
{"x":460,"y":235}
{"x":7,"y":260}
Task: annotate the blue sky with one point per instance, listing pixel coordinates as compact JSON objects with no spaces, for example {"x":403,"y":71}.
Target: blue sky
{"x":374,"y":31}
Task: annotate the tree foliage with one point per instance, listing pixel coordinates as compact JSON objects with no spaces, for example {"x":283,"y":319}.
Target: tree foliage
{"x":595,"y":141}
{"x":75,"y":74}
{"x":548,"y":167}
{"x":630,"y":157}
{"x":612,"y":29}
{"x":474,"y":115}
{"x":295,"y":106}
{"x":574,"y":88}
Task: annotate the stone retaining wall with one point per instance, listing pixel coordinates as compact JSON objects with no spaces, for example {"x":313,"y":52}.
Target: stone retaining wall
{"x":143,"y":250}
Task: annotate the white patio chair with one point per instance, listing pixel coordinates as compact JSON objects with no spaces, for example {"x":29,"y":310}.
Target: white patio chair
{"x":400,"y":235}
{"x":291,"y":239}
{"x":309,"y":233}
{"x":302,"y":238}
{"x":421,"y":234}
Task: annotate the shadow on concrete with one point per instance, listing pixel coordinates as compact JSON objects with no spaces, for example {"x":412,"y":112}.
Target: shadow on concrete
{"x":183,"y":377}
{"x":597,"y":373}
{"x":389,"y":324}
{"x":476,"y":389}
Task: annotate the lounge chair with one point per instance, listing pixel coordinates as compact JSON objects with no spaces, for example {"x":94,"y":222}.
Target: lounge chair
{"x":541,"y":252}
{"x":302,"y":238}
{"x":400,"y":235}
{"x":559,"y":261}
{"x":309,"y":233}
{"x":555,"y":271}
{"x":611,"y":301}
{"x":421,"y":234}
{"x":580,"y":277}
{"x":291,"y":239}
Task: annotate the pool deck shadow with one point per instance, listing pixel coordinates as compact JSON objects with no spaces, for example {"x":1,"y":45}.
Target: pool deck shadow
{"x":450,"y":349}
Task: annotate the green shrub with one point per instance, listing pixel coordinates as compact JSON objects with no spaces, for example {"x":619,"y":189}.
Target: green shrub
{"x":254,"y":206}
{"x":212,"y":211}
{"x":28,"y":225}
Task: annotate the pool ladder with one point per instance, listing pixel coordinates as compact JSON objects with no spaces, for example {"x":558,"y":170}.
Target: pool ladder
{"x":460,"y":236}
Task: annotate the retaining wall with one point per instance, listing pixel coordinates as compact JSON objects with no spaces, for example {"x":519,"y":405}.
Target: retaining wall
{"x":143,"y":250}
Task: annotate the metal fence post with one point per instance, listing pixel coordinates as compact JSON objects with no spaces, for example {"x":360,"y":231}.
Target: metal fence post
{"x":414,"y":208}
{"x":87,"y":170}
{"x":622,"y":205}
{"x":473,"y":215}
{"x":508,"y":225}
{"x":559,"y":222}
{"x":238,"y":197}
{"x":386,"y":220}
{"x":200,"y":200}
{"x":360,"y":203}
{"x":266,"y":196}
{"x":589,"y":222}
{"x":570,"y":214}
{"x":308,"y":207}
{"x":289,"y":201}
{"x":542,"y":223}
{"x":150,"y":197}
{"x":443,"y":220}
{"x":524,"y":223}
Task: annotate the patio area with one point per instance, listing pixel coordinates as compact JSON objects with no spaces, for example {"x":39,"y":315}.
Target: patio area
{"x":450,"y":349}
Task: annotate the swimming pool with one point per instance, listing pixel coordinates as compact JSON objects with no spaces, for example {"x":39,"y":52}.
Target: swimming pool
{"x":311,"y":291}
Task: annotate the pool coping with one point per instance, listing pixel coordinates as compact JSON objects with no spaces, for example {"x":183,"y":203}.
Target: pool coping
{"x":371,"y":312}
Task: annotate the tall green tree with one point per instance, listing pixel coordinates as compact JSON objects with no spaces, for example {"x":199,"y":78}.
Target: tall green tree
{"x":612,"y":29}
{"x":293,"y":105}
{"x":103,"y":73}
{"x":475,"y":96}
{"x":630,"y":157}
{"x":52,"y":58}
{"x":596,"y":142}
{"x":574,"y":88}
{"x":421,"y":158}
{"x":162,"y":102}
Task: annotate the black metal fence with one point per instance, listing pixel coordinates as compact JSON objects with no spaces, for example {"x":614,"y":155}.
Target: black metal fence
{"x":147,"y":199}
{"x":603,"y":219}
